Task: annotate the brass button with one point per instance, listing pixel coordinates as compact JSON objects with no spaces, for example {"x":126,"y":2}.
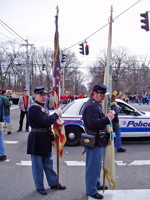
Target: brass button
{"x":86,"y":140}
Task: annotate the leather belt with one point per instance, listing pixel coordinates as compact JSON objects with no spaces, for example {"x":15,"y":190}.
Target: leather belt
{"x":40,"y":130}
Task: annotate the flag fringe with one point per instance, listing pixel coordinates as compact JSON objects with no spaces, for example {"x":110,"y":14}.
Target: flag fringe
{"x":108,"y":176}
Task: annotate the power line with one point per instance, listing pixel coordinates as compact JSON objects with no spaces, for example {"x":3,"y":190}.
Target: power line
{"x":5,"y":35}
{"x":102,"y":26}
{"x":11,"y":30}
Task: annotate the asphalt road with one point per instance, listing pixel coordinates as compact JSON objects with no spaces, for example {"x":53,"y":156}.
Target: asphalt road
{"x":16,"y":182}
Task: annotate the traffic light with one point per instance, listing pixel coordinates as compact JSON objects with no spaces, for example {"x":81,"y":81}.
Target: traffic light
{"x":145,"y":21}
{"x":43,"y":67}
{"x":63,"y":58}
{"x":81,"y":48}
{"x":87,"y":49}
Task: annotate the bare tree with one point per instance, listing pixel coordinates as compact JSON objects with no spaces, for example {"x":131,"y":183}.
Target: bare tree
{"x":73,"y":78}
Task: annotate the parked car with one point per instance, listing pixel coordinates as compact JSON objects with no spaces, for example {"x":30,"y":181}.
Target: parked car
{"x":133,"y":123}
{"x":13,"y":96}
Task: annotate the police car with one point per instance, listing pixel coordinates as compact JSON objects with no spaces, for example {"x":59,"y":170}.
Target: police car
{"x":133,"y":123}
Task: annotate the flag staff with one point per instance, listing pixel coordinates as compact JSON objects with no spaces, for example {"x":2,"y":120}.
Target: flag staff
{"x":57,"y":162}
{"x":58,"y":127}
{"x":56,"y":64}
{"x":108,"y":159}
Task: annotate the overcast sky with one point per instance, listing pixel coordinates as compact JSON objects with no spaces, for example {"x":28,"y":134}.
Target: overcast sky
{"x":78,"y":19}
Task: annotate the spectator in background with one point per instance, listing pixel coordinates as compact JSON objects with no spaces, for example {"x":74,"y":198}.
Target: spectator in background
{"x":85,"y":95}
{"x":130,"y":99}
{"x":61,"y":99}
{"x":140,"y":98}
{"x":81,"y":96}
{"x":6,"y":105}
{"x":2,"y":146}
{"x":73,"y":96}
{"x":143,"y":99}
{"x":126,"y":99}
{"x":70,"y":98}
{"x":116,"y":128}
{"x":49,"y":101}
{"x":147,"y":99}
{"x":134,"y":98}
{"x":24,"y":103}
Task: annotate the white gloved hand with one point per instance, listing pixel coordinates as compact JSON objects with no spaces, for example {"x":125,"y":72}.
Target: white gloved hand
{"x":58,"y":111}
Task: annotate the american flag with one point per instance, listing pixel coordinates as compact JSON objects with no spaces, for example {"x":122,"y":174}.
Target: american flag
{"x":59,"y":124}
{"x":56,"y":67}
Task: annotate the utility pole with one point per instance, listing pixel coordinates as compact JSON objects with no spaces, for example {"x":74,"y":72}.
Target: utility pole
{"x":27,"y":67}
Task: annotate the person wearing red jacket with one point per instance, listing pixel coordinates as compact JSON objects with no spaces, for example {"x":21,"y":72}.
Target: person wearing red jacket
{"x":81,"y":96}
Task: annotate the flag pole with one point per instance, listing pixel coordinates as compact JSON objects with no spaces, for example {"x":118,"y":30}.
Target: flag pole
{"x":56,"y":64}
{"x":107,"y":80}
{"x":58,"y":127}
{"x":57,"y":162}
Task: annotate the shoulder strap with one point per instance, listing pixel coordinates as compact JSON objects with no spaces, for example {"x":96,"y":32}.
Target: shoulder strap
{"x":42,"y":108}
{"x":96,"y":104}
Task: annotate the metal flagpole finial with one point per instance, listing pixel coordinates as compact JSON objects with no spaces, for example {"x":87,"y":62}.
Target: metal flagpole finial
{"x":57,"y":10}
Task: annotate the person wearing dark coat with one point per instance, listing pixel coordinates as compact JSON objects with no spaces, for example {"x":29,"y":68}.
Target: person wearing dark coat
{"x":95,"y":121}
{"x":3,"y":156}
{"x":40,"y":141}
{"x":115,"y":122}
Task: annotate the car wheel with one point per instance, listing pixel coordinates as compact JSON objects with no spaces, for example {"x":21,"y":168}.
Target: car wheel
{"x":73,"y":135}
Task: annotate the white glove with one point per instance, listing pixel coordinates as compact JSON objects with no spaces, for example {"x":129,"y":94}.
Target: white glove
{"x":58,"y":111}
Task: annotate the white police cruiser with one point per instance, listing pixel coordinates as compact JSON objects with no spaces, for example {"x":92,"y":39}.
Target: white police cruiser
{"x":133,"y":123}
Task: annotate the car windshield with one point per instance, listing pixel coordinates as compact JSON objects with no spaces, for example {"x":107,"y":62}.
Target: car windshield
{"x":125,"y":110}
{"x":81,"y":110}
{"x":67,"y":106}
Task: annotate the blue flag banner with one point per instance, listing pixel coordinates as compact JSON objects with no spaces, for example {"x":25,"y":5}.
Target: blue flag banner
{"x":56,"y":67}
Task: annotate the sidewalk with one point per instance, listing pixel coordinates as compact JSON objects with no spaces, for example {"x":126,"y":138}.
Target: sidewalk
{"x":125,"y":194}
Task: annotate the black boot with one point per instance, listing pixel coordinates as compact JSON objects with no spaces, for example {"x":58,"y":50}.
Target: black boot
{"x":121,"y":150}
{"x":19,"y":130}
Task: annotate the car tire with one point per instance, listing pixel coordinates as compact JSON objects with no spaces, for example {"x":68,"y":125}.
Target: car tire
{"x":73,"y":135}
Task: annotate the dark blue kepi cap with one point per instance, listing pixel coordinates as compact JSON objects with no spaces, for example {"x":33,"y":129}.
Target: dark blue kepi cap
{"x":99,"y":88}
{"x":39,"y":90}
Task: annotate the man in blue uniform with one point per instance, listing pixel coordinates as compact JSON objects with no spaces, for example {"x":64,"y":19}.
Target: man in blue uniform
{"x":40,"y":141}
{"x":95,"y":121}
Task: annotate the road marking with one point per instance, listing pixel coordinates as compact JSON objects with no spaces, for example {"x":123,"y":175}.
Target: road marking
{"x":120,"y":163}
{"x":134,"y":162}
{"x":7,"y":160}
{"x":13,"y":107}
{"x":140,"y":162}
{"x":69,"y":163}
{"x":125,"y":194}
{"x":75,"y":163}
{"x":10,"y":142}
{"x":82,"y":163}
{"x":24,"y":163}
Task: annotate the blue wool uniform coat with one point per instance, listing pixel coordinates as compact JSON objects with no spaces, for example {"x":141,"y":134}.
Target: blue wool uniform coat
{"x":39,"y":143}
{"x":94,"y":119}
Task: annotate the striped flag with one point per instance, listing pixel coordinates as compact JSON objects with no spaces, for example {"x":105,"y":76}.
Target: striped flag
{"x":108,"y":162}
{"x":59,"y":124}
{"x":56,"y":67}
